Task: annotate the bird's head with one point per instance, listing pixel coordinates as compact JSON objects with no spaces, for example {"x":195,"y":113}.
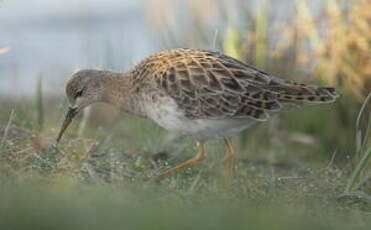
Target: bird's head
{"x":83,"y":89}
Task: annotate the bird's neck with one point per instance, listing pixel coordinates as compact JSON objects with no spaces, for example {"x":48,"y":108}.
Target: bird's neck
{"x":119,"y":91}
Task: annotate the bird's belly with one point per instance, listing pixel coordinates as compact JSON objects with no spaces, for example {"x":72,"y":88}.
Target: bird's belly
{"x":204,"y":129}
{"x":168,"y":116}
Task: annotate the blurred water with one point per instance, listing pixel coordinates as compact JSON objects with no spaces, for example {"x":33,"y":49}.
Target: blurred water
{"x":51,"y":38}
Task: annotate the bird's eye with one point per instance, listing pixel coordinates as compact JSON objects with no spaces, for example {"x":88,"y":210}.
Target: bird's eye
{"x":78,"y":93}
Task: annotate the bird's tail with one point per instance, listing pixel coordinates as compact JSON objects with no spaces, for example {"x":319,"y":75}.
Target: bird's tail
{"x":291,"y":92}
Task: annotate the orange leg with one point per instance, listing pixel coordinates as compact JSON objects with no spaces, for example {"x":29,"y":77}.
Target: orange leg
{"x":200,"y":156}
{"x":228,"y":159}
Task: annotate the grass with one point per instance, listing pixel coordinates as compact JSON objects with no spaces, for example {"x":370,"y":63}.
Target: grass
{"x":39,"y":105}
{"x":6,"y":130}
{"x":93,"y":179}
{"x":361,"y":174}
{"x":71,"y":206}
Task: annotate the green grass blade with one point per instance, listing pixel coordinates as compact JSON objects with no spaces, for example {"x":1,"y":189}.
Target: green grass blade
{"x":40,"y":116}
{"x":357,"y":171}
{"x":3,"y":139}
{"x":362,"y":135}
{"x":261,"y":34}
{"x":363,"y":126}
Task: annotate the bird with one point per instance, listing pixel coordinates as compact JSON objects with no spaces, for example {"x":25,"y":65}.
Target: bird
{"x":200,"y":93}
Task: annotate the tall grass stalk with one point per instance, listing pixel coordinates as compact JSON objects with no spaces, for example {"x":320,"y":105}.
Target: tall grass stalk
{"x":357,"y":173}
{"x":215,"y":38}
{"x":308,"y":20}
{"x":3,"y":139}
{"x":261,"y":28}
{"x":363,"y":126}
{"x":40,"y":115}
{"x":232,"y":42}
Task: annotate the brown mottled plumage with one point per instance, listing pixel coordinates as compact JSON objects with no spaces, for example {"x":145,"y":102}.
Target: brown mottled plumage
{"x":201,"y":93}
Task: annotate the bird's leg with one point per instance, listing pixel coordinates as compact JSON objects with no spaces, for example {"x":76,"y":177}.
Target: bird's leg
{"x":200,"y":156}
{"x":228,"y":160}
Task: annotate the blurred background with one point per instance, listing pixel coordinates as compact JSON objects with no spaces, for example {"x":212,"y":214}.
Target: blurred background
{"x":324,"y":42}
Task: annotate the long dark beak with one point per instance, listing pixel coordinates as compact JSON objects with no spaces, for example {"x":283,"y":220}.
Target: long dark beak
{"x":67,"y":121}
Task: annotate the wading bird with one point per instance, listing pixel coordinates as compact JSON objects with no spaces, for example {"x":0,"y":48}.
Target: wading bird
{"x":201,"y":93}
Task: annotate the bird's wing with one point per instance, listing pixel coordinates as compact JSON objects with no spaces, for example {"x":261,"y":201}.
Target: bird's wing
{"x":207,"y":84}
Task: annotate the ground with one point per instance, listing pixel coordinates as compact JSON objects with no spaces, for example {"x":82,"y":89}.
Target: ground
{"x":98,"y":177}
